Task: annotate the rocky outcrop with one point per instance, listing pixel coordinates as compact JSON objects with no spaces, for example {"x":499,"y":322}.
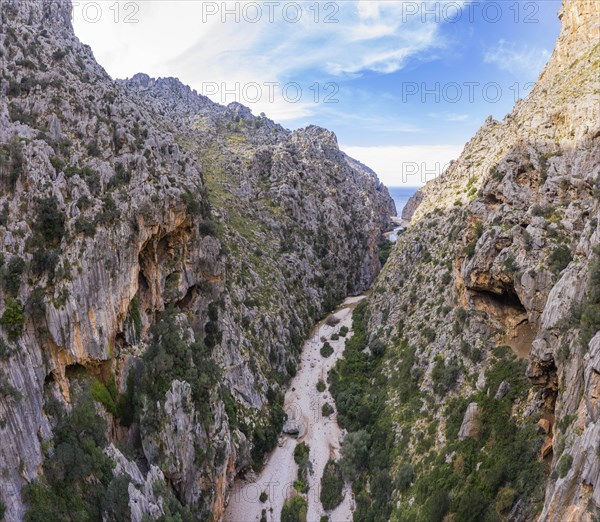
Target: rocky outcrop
{"x":123,"y":203}
{"x":503,"y":250}
{"x":471,"y":424}
{"x":411,"y":205}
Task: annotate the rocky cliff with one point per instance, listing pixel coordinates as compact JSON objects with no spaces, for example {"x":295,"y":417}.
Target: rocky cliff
{"x":162,"y":259}
{"x":411,"y":205}
{"x":490,"y":310}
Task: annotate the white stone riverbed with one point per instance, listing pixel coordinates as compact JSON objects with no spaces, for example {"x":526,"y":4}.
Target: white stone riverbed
{"x":323,"y":435}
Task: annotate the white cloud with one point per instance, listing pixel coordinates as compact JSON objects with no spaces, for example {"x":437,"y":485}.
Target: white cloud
{"x":524,"y":60}
{"x":370,"y":123}
{"x":182,"y":38}
{"x":449,"y":116}
{"x":410,"y":165}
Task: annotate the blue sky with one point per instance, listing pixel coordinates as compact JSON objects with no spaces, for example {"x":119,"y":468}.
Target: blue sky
{"x":398,"y":81}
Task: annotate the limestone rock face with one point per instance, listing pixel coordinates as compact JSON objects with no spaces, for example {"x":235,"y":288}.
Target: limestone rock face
{"x":123,"y":200}
{"x":503,"y":250}
{"x":411,"y":206}
{"x":144,"y":501}
{"x":503,"y":389}
{"x":470,"y":425}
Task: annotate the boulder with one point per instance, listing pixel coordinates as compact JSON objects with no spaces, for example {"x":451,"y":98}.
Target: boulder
{"x":503,"y":389}
{"x":291,"y":427}
{"x":470,"y":425}
{"x":545,"y":425}
{"x":546,"y":448}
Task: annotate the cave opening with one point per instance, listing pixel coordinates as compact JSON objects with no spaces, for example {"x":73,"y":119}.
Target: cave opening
{"x":508,"y":311}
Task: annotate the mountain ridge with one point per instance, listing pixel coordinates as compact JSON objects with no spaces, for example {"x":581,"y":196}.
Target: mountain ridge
{"x":131,"y":217}
{"x":502,"y":251}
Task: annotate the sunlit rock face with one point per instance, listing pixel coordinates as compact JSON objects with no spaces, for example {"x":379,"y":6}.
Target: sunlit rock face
{"x":130,"y":201}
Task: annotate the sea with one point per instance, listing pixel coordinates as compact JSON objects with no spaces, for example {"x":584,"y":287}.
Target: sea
{"x":401,"y":195}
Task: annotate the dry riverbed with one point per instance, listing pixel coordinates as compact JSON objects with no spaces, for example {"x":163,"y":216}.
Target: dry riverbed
{"x":303,"y":403}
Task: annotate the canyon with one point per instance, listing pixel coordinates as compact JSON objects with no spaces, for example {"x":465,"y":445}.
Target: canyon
{"x":171,"y":271}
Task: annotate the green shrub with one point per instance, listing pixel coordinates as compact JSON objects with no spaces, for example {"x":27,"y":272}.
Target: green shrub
{"x":13,"y":161}
{"x":13,"y":318}
{"x":294,"y":510}
{"x":301,"y":452}
{"x":588,"y":314}
{"x":563,"y":353}
{"x":321,"y":386}
{"x":4,"y":212}
{"x":344,"y":331}
{"x":17,"y":113}
{"x":384,"y":250}
{"x":560,"y":258}
{"x":354,"y":454}
{"x":35,"y":308}
{"x":78,"y":474}
{"x":93,"y":149}
{"x":173,"y":355}
{"x":444,"y":377}
{"x":470,"y":250}
{"x":326,"y":350}
{"x":541,"y":211}
{"x":192,"y":204}
{"x":437,"y":506}
{"x":265,"y":435}
{"x":593,"y":285}
{"x":510,"y":264}
{"x":101,"y":394}
{"x":405,"y":477}
{"x":89,"y":175}
{"x":50,"y":221}
{"x":589,"y":323}
{"x":505,"y":499}
{"x":301,"y":486}
{"x":12,"y":277}
{"x":208,"y":228}
{"x":45,"y":260}
{"x":359,"y":387}
{"x":564,"y":465}
{"x":7,"y":390}
{"x":121,"y":178}
{"x":461,"y":315}
{"x":332,"y":485}
{"x":110,"y":213}
{"x":57,"y":163}
{"x":377,"y":347}
{"x":116,"y":500}
{"x":327,"y":410}
{"x":301,"y":457}
{"x":472,"y":505}
{"x":85,"y":226}
{"x":263,"y":497}
{"x":476,"y":355}
{"x":134,"y":313}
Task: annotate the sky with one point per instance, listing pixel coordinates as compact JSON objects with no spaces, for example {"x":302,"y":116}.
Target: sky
{"x":403,"y":84}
